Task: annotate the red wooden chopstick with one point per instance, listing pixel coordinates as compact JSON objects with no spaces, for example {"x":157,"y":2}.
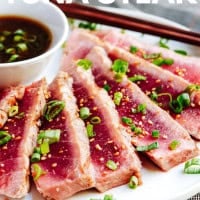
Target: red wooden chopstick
{"x":83,"y":12}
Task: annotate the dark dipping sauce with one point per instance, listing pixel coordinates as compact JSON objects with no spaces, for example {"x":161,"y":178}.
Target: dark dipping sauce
{"x":22,"y":38}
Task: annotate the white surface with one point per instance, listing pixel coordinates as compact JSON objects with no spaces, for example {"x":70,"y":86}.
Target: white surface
{"x":28,"y":70}
{"x":157,"y":185}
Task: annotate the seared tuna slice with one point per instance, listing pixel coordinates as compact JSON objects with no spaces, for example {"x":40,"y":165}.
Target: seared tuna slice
{"x":183,"y":66}
{"x":156,"y":128}
{"x":112,"y":154}
{"x":169,"y":91}
{"x":18,"y":138}
{"x":161,"y":85}
{"x":8,"y":98}
{"x":66,"y":168}
{"x":153,"y":131}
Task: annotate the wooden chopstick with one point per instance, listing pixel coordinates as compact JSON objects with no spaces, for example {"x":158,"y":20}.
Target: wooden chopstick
{"x":83,"y":12}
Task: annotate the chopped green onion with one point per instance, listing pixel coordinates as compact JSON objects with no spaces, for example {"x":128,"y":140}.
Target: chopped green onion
{"x":17,"y":38}
{"x":192,"y":166}
{"x":174,"y":144}
{"x":133,"y":183}
{"x":151,"y":56}
{"x":84,"y":63}
{"x":158,"y":61}
{"x":154,"y":96}
{"x":117,"y":98}
{"x":37,"y":171}
{"x":137,"y":130}
{"x":52,"y":109}
{"x":120,"y":66}
{"x":5,"y":137}
{"x":154,"y":145}
{"x":22,"y":47}
{"x":110,"y":164}
{"x":84,"y":112}
{"x":181,"y":102}
{"x":35,"y":157}
{"x":1,"y":47}
{"x":90,"y":130}
{"x":6,"y":33}
{"x":10,"y":50}
{"x":108,"y":197}
{"x":19,"y":32}
{"x":2,"y":38}
{"x":155,"y":133}
{"x":141,"y":108}
{"x":37,"y":150}
{"x":13,"y":111}
{"x":44,"y":147}
{"x":168,"y":61}
{"x":163,"y":43}
{"x":193,"y":87}
{"x":88,"y":25}
{"x":127,"y":120}
{"x":133,"y":49}
{"x":136,"y":78}
{"x":182,"y":52}
{"x":13,"y":58}
{"x":95,"y":120}
{"x":51,"y":136}
{"x":107,"y":87}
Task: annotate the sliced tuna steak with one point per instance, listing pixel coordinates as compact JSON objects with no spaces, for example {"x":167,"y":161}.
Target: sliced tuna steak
{"x":66,"y":167}
{"x":23,"y":128}
{"x":147,"y":123}
{"x":112,"y":154}
{"x":8,"y":98}
{"x":164,"y":88}
{"x":184,"y":66}
{"x":155,"y":119}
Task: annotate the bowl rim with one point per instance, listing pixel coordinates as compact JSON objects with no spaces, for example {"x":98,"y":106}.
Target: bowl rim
{"x":49,"y":51}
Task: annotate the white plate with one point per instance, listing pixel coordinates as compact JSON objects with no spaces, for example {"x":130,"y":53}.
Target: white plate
{"x":157,"y":185}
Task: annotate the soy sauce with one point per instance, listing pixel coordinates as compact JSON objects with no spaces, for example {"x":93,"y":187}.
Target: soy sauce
{"x":22,"y":38}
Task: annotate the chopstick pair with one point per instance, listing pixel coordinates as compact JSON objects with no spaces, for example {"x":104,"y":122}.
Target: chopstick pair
{"x":91,"y":14}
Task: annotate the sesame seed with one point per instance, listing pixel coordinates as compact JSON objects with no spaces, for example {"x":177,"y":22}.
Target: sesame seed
{"x":98,"y":147}
{"x":2,"y":165}
{"x":57,"y":189}
{"x":54,"y":165}
{"x":150,"y":122}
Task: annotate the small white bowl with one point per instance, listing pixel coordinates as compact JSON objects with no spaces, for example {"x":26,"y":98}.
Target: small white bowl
{"x":27,"y":71}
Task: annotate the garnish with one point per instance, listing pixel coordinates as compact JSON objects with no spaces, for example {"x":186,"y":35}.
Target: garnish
{"x":133,"y":49}
{"x":84,"y":112}
{"x":88,"y":25}
{"x":53,"y":109}
{"x":192,"y":166}
{"x":181,"y":102}
{"x":133,"y":183}
{"x":151,"y":56}
{"x":141,"y":108}
{"x":155,"y":133}
{"x":127,"y":121}
{"x":136,"y":78}
{"x":13,"y":111}
{"x":106,"y":87}
{"x":44,"y":147}
{"x":174,"y":144}
{"x":90,"y":130}
{"x":5,"y":137}
{"x":120,"y":67}
{"x":193,"y":87}
{"x":163,"y":43}
{"x":111,"y":165}
{"x":51,"y":136}
{"x":163,"y":61}
{"x":95,"y":120}
{"x":182,"y":52}
{"x":37,"y":172}
{"x":117,"y":98}
{"x":154,"y":145}
{"x":84,"y":63}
